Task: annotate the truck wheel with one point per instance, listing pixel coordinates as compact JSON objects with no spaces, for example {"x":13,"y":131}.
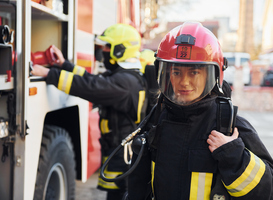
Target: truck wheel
{"x":56,"y":170}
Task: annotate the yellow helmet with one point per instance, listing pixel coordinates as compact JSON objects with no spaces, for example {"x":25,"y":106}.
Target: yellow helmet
{"x":146,"y":58}
{"x":124,"y":40}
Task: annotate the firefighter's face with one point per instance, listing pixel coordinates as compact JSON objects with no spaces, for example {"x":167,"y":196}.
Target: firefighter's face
{"x":188,"y":83}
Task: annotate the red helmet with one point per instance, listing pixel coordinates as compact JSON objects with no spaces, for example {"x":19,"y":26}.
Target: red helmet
{"x":191,"y":44}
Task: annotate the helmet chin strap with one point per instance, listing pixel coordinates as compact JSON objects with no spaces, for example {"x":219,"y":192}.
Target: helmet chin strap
{"x":218,"y":86}
{"x":109,"y":63}
{"x":220,"y":89}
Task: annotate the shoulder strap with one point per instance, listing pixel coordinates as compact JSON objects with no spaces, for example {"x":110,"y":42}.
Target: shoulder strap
{"x":225,"y":121}
{"x":226,"y":115}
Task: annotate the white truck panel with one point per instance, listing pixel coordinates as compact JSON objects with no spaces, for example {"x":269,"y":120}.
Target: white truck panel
{"x":84,"y":42}
{"x":48,"y":98}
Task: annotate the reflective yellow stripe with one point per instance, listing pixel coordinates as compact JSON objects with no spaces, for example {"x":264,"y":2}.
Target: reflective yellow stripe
{"x":194,"y":185}
{"x":104,"y":126}
{"x":65,"y":81}
{"x":78,"y":70}
{"x":141,"y":98}
{"x":200,"y":186}
{"x":108,"y":174}
{"x":249,"y":178}
{"x":107,"y":185}
{"x":153,"y":174}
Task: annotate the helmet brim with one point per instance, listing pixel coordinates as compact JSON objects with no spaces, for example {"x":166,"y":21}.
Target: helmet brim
{"x":100,"y":42}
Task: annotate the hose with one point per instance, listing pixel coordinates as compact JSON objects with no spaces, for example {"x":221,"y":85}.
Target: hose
{"x":118,"y":178}
{"x":141,"y":126}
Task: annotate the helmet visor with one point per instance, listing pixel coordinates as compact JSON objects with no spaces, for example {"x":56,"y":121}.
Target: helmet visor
{"x":185,"y":84}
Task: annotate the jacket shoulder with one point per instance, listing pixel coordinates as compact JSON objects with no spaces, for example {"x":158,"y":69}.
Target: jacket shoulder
{"x":242,"y":123}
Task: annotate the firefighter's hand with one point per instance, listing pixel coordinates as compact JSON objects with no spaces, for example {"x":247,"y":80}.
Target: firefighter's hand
{"x":217,"y":139}
{"x":59,"y":56}
{"x":39,"y":70}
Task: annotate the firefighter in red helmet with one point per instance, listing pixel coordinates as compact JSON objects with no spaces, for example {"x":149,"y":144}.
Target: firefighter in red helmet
{"x":197,"y":147}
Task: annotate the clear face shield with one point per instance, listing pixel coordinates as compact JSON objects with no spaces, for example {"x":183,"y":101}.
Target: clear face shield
{"x":184,"y":84}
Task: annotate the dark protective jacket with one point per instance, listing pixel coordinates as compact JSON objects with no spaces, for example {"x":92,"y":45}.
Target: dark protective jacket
{"x":118,"y":94}
{"x":184,"y":168}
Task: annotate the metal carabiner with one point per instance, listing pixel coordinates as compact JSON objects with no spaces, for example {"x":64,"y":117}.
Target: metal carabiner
{"x":128,"y":150}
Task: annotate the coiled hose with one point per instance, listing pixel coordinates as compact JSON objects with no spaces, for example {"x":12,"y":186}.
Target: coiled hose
{"x":118,"y":178}
{"x":126,"y":140}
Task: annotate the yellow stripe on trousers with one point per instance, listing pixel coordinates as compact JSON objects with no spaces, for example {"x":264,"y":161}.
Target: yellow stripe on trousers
{"x":108,"y":174}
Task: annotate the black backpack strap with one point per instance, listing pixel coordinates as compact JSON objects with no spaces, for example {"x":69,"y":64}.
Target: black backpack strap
{"x":226,"y":115}
{"x":225,"y":122}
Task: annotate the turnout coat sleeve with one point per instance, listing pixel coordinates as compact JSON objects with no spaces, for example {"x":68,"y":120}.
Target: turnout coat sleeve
{"x":115,"y":91}
{"x":245,"y":165}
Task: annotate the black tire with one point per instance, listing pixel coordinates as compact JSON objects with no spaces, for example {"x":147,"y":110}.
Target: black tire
{"x":56,"y":170}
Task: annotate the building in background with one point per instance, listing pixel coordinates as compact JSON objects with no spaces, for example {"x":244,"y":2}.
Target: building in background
{"x":148,"y":16}
{"x":267,"y":38}
{"x":226,"y":36}
{"x":267,"y":34}
{"x":245,"y":30}
{"x":114,"y":11}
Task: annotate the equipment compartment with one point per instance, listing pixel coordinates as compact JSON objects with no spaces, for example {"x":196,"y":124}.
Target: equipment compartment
{"x":6,"y":80}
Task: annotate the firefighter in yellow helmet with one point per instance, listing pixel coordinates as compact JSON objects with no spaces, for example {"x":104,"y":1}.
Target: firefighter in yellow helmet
{"x":119,"y":93}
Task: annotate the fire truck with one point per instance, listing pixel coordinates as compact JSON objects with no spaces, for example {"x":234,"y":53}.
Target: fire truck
{"x":49,"y":139}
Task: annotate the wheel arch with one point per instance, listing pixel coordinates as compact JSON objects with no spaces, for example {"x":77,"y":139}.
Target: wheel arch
{"x":68,"y":118}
